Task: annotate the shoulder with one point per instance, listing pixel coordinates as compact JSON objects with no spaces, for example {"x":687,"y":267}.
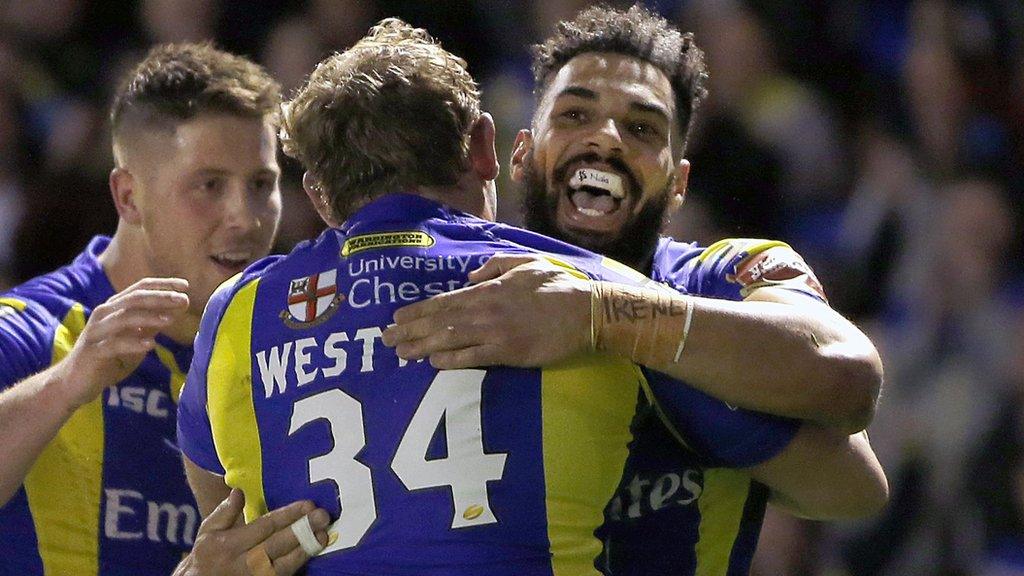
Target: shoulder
{"x":734,"y":267}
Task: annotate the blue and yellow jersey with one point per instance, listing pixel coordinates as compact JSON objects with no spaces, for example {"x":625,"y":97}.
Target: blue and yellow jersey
{"x":486,"y":472}
{"x":107,"y":496}
{"x":683,"y":508}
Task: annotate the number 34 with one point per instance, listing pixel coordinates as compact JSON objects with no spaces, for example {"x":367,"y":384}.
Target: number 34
{"x":454,"y":398}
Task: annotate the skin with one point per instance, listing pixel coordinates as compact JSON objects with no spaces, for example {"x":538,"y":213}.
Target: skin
{"x":528,"y":312}
{"x":197,"y":202}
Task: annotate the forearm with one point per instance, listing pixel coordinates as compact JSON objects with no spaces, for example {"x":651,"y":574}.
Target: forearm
{"x":31,"y":413}
{"x":825,"y":475}
{"x":804,"y":362}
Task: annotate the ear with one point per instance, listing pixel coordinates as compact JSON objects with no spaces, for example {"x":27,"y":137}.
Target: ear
{"x":520,"y":150}
{"x":316,"y":196}
{"x":682,"y":177}
{"x":482,"y":156}
{"x":124,"y":192}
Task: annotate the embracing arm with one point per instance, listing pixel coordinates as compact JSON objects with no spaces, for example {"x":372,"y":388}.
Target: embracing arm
{"x":777,"y":352}
{"x":825,"y":475}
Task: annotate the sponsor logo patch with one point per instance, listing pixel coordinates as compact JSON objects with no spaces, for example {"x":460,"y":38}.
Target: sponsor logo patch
{"x":779,"y":266}
{"x":386,"y":240}
{"x":312,"y":300}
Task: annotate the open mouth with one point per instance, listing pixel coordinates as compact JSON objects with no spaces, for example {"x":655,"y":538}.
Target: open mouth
{"x":596,"y":200}
{"x":233,"y":261}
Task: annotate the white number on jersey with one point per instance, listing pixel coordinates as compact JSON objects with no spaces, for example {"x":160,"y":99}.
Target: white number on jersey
{"x":453,"y":397}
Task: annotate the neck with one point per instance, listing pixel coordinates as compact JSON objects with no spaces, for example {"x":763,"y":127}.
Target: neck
{"x":470,"y":194}
{"x":124,"y":262}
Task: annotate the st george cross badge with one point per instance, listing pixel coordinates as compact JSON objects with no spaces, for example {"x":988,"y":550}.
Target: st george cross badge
{"x":312,"y":300}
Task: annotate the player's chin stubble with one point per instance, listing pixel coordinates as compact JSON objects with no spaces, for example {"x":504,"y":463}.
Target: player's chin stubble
{"x":635,"y":243}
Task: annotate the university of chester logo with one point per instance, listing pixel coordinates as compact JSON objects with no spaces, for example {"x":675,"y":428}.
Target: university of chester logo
{"x":312,"y":300}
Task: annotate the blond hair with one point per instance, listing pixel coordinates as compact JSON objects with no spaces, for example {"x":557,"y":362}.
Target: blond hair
{"x":391,"y":113}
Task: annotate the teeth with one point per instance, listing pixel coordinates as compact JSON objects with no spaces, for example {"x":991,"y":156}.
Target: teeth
{"x":590,"y":212}
{"x":607,"y":181}
{"x":233,"y":256}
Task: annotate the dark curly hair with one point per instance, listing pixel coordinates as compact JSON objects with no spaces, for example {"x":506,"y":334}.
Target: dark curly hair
{"x":635,"y":32}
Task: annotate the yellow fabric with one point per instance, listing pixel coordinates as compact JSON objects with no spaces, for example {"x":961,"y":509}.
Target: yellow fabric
{"x":177,"y":376}
{"x":13,"y":303}
{"x":229,"y":399}
{"x":64,"y":486}
{"x":721,"y":510}
{"x":587,"y":405}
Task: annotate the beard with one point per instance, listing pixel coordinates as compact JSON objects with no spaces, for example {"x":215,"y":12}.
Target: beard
{"x":633,"y":245}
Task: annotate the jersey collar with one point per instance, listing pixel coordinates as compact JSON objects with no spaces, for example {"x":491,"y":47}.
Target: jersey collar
{"x":400,"y":208}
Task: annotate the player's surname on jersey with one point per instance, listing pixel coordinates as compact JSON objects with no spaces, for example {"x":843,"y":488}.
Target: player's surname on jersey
{"x":298,"y":362}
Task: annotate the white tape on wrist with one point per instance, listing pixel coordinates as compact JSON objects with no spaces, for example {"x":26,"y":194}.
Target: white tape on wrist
{"x":304,"y":533}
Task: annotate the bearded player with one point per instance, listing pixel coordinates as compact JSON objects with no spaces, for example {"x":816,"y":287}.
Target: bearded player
{"x":603,"y":167}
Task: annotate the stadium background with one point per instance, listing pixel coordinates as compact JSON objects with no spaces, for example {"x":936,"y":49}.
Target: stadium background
{"x":882,"y":138}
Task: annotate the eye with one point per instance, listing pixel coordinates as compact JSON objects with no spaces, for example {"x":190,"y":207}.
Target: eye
{"x":211,"y":185}
{"x":573,"y":115}
{"x":265,"y":185}
{"x":643,"y":130}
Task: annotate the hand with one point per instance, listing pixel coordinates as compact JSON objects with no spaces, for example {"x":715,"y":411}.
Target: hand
{"x":523,"y":311}
{"x":224,"y":542}
{"x":120,"y":333}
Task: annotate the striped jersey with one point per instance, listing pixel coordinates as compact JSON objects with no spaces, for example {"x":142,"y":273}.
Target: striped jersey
{"x":108,"y":495}
{"x":682,"y":508}
{"x":486,"y":472}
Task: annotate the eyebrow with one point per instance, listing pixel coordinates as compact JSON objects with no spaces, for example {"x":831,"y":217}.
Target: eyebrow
{"x":588,"y":94}
{"x":579,"y":92}
{"x":651,"y":109}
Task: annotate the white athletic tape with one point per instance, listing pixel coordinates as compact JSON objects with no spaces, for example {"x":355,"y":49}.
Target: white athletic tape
{"x":608,"y":181}
{"x":304,"y":533}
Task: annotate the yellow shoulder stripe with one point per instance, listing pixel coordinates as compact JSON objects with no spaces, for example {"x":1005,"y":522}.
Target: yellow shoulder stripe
{"x":751,"y":246}
{"x":230,"y":403}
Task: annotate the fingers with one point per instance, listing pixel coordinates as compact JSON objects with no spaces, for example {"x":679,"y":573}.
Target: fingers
{"x":500,"y":264}
{"x":470,"y":357}
{"x":149,"y":299}
{"x":441,"y":304}
{"x":283,"y":542}
{"x":163,"y":284}
{"x":290,"y":563}
{"x":428,"y":336}
{"x":265,"y":526}
{"x":225,"y":514}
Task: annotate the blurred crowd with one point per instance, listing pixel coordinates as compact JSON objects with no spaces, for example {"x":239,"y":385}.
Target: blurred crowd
{"x":883,"y":139}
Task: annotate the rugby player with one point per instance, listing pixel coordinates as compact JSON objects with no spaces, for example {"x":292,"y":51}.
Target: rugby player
{"x":603,"y":167}
{"x":93,"y":355}
{"x":501,"y":471}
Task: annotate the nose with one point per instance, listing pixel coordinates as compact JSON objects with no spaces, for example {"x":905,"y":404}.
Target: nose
{"x":239,"y":210}
{"x":606,"y":139}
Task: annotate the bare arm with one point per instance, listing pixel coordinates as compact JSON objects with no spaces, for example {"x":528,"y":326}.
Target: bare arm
{"x":113,"y":343}
{"x":825,"y":475}
{"x":227,"y":546}
{"x":776,"y":352}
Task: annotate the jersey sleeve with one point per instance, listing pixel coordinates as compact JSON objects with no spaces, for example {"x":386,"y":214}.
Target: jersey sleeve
{"x":26,"y":340}
{"x":723,"y":436}
{"x":733,"y":268}
{"x":195,"y":436}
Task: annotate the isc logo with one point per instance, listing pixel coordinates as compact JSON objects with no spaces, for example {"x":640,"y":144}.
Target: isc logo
{"x":141,"y":400}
